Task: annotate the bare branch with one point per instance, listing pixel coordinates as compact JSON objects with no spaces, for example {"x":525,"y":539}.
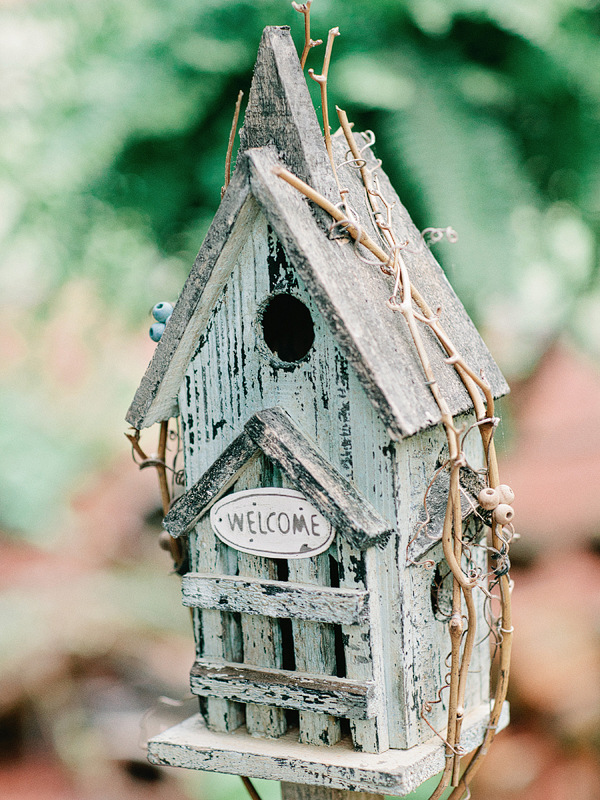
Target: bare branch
{"x":322,"y":81}
{"x":304,"y":8}
{"x":236,"y":115}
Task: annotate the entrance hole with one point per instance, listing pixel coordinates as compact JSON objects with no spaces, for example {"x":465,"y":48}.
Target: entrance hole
{"x":288,"y":327}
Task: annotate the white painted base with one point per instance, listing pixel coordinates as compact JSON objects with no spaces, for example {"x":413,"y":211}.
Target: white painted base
{"x":395,"y":772}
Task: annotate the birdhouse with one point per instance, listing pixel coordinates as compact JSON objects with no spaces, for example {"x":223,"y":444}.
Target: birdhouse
{"x":314,"y":472}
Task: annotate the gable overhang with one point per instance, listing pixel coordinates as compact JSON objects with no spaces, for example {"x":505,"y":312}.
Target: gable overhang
{"x":156,"y":397}
{"x":273,"y":433}
{"x":279,"y":114}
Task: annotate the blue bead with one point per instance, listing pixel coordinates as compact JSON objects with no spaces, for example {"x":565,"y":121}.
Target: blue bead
{"x":156,"y":331}
{"x":162,"y":311}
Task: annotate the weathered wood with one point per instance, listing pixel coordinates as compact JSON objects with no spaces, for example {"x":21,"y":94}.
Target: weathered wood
{"x":363,"y":647}
{"x":274,"y":433}
{"x":276,"y":598}
{"x":216,"y":400}
{"x":284,"y":689}
{"x":156,"y":397}
{"x":375,"y":470}
{"x":425,"y":642}
{"x":336,"y":415}
{"x":338,"y":500}
{"x":218,"y":632}
{"x":337,"y":408}
{"x":314,"y":647}
{"x":190,"y":506}
{"x":261,"y":635}
{"x":297,"y":791}
{"x":437,"y":497}
{"x":280,"y":111}
{"x":314,"y":642}
{"x":374,"y":338}
{"x":396,"y":772}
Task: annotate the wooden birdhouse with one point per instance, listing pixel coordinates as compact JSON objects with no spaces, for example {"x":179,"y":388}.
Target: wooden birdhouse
{"x":314,"y":474}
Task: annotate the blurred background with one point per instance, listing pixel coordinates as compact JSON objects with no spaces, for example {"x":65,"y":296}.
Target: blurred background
{"x":113,"y":130}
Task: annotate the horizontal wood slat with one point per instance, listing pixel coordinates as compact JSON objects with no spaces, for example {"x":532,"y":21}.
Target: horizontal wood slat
{"x":284,"y":689}
{"x":276,"y":598}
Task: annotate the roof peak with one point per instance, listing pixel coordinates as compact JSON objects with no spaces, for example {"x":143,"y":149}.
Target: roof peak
{"x":280,"y":112}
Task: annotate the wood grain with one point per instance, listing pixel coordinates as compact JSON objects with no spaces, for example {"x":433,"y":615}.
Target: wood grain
{"x":314,"y":647}
{"x":280,"y":112}
{"x":336,"y":498}
{"x":284,"y":689}
{"x":218,"y":633}
{"x":396,"y":772}
{"x":272,"y":598}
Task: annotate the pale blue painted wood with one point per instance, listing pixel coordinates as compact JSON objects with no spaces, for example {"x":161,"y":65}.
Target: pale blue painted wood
{"x":233,"y":375}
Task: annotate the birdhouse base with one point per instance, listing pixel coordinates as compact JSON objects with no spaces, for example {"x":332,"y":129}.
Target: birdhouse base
{"x":395,"y":772}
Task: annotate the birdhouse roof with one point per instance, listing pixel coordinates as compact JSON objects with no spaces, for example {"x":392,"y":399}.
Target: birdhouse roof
{"x":273,"y":432}
{"x":281,"y":128}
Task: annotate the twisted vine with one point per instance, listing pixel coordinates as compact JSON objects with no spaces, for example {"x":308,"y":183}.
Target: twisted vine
{"x":414,"y":308}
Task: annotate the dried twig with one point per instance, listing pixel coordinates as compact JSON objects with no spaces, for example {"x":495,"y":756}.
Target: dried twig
{"x":232,"y":132}
{"x":250,"y":788}
{"x":332,"y":210}
{"x":159,"y":461}
{"x":161,"y":467}
{"x":134,"y":438}
{"x":463,"y":583}
{"x":304,"y":8}
{"x":322,"y":81}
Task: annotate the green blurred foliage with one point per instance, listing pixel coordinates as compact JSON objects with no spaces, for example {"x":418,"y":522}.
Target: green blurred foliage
{"x":227,"y":787}
{"x":113,"y":132}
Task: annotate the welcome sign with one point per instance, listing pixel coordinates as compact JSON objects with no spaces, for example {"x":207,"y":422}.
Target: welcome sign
{"x":277,"y":523}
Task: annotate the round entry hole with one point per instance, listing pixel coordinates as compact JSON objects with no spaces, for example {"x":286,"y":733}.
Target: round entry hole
{"x":287,"y":327}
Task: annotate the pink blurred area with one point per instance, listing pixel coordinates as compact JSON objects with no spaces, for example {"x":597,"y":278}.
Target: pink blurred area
{"x":555,"y":466}
{"x":550,"y":751}
{"x":72,"y":702}
{"x":96,"y":629}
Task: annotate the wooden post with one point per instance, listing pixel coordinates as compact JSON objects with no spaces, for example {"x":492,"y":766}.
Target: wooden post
{"x":297,"y":791}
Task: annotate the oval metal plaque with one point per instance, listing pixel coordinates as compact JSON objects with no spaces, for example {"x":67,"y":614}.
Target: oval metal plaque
{"x":277,"y":523}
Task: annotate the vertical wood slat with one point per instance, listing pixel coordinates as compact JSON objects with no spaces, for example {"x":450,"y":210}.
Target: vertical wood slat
{"x":363,"y":644}
{"x":261,"y":635}
{"x":314,"y":642}
{"x":218,"y":632}
{"x":314,"y":648}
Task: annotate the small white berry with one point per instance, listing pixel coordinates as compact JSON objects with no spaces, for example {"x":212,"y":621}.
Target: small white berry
{"x":156,"y":331}
{"x":488,"y":498}
{"x":504,"y":514}
{"x":162,"y":311}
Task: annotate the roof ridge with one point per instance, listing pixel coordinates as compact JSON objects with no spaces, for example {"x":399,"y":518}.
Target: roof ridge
{"x":280,"y":112}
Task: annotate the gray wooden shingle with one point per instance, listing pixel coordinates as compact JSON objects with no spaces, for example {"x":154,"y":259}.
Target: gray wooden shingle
{"x":274,"y":432}
{"x":350,"y":294}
